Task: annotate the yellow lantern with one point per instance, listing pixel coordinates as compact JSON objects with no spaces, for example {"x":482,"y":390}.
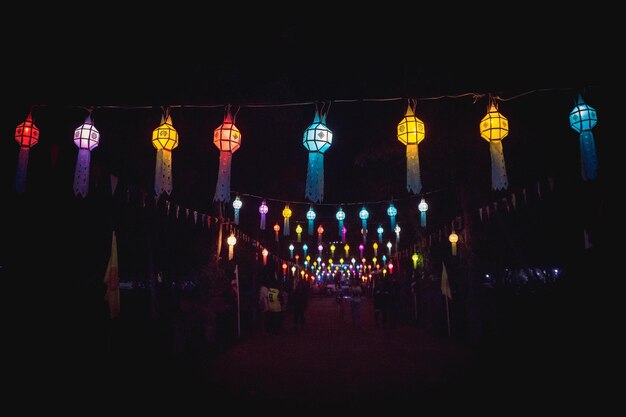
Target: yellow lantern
{"x":411,"y":132}
{"x":299,"y":232}
{"x":286,"y":215}
{"x":453,"y":238}
{"x":232,"y":240}
{"x":164,"y":140}
{"x":493,"y":128}
{"x":347,"y":249}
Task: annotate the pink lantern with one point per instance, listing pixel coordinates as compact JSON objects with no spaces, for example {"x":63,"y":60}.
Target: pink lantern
{"x":263,"y":209}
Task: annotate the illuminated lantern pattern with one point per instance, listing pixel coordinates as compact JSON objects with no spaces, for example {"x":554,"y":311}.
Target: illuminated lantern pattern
{"x":310,"y":216}
{"x":286,"y":215}
{"x":263,"y":209}
{"x":341,"y":215}
{"x":27,"y":136}
{"x":493,"y":128}
{"x":582,"y":119}
{"x":423,"y":208}
{"x":237,"y":206}
{"x":410,"y":133}
{"x":232,"y":240}
{"x":317,"y":139}
{"x":299,"y":232}
{"x":227,"y":138}
{"x":380,"y":231}
{"x":392,"y":212}
{"x":164,"y":140}
{"x":86,"y":137}
{"x":364,"y":215}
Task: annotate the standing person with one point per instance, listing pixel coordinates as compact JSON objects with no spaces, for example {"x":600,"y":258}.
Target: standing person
{"x":300,"y":299}
{"x":264,"y":306}
{"x":355,"y":300}
{"x":275,"y":310}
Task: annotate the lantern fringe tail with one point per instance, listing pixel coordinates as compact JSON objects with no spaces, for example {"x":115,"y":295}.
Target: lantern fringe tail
{"x":163,"y":172}
{"x":588,"y":157}
{"x":310,"y":227}
{"x":413,"y":178}
{"x":341,"y":228}
{"x":81,"y":174}
{"x":423,"y":218}
{"x":236,"y":216}
{"x":499,"y":180}
{"x":22,"y":168}
{"x":315,"y":177}
{"x":286,"y":231}
{"x":222,"y":190}
{"x":262,"y":225}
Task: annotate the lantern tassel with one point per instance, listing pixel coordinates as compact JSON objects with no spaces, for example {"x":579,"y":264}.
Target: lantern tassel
{"x":499,"y":180}
{"x":22,"y":168}
{"x":310,"y":227}
{"x":236,"y":216}
{"x":230,"y":252}
{"x":286,"y":227}
{"x":340,"y":228}
{"x":588,"y":157}
{"x":392,"y":219}
{"x":163,"y":172}
{"x":315,"y":177}
{"x":222,"y":190}
{"x":262,"y":225}
{"x":423,"y":218}
{"x":81,"y":174}
{"x":413,"y":178}
{"x":453,"y":248}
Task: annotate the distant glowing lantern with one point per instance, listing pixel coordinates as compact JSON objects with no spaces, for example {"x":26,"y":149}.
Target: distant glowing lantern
{"x":415,"y":257}
{"x":291,"y":248}
{"x":297,"y":257}
{"x":293,"y":270}
{"x":320,"y":248}
{"x":410,"y":133}
{"x":86,"y":137}
{"x":332,"y":249}
{"x":390,"y":266}
{"x":453,"y":238}
{"x":299,"y":232}
{"x":237,"y":205}
{"x":263,"y":209}
{"x":341,"y":215}
{"x":423,"y":208}
{"x":284,"y":268}
{"x":392,"y":211}
{"x":380,"y":231}
{"x":305,"y":248}
{"x":27,"y":136}
{"x":265,"y":252}
{"x":389,"y":248}
{"x":397,"y":230}
{"x":347,"y":249}
{"x":232,"y":240}
{"x":493,"y":128}
{"x":344,"y":230}
{"x":582,"y":119}
{"x":310,"y":216}
{"x":286,"y":215}
{"x":164,"y":140}
{"x":361,"y":248}
{"x":384,"y":260}
{"x":341,"y":261}
{"x":317,"y":139}
{"x":227,"y":138}
{"x":320,"y":231}
{"x":375,"y":246}
{"x":364,"y":215}
{"x":276,"y":230}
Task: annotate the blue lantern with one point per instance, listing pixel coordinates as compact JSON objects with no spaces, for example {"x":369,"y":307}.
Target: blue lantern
{"x":582,"y":119}
{"x":310,"y":216}
{"x":392,"y":212}
{"x":236,"y":206}
{"x":317,"y":139}
{"x":341,"y":215}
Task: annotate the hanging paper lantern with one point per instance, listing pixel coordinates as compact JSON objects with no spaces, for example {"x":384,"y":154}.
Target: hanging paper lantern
{"x":375,"y":246}
{"x":310,"y":216}
{"x":343,"y":234}
{"x":493,"y":128}
{"x":299,"y":232}
{"x":27,"y":136}
{"x":385,"y":260}
{"x":423,"y":208}
{"x":320,"y":248}
{"x":232,"y":240}
{"x":276,"y":229}
{"x":410,"y":133}
{"x":390,"y":267}
{"x":392,"y":212}
{"x":263,"y":209}
{"x":305,"y":248}
{"x":227,"y":138}
{"x":415,"y":258}
{"x":293,"y":270}
{"x":453,"y":238}
{"x":320,"y":231}
{"x":341,"y":215}
{"x":317,"y":139}
{"x":397,"y":230}
{"x":286,"y":215}
{"x":361,"y":248}
{"x":380,"y":231}
{"x":582,"y":119}
{"x":265,"y":252}
{"x":237,"y":206}
{"x":364,"y":215}
{"x":297,"y":257}
{"x":332,"y":249}
{"x":86,"y":137}
{"x":347,"y":249}
{"x":291,"y":248}
{"x":284,"y":269}
{"x":164,"y":140}
{"x":389,"y":245}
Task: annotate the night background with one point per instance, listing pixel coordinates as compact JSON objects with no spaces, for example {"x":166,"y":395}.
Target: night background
{"x":57,"y":245}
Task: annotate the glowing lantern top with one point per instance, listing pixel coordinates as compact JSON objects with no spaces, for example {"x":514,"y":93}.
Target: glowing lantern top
{"x":265,"y":252}
{"x":364,"y":214}
{"x":320,"y":229}
{"x":341,"y":215}
{"x":380,"y":230}
{"x":310,"y":215}
{"x":276,"y":228}
{"x":232,"y":240}
{"x":422,"y":206}
{"x":86,"y":136}
{"x":415,"y":257}
{"x":263,"y":208}
{"x":26,"y":133}
{"x":410,"y":129}
{"x":318,"y":137}
{"x":226,"y":136}
{"x":392,"y":211}
{"x":165,"y":136}
{"x":237,"y":203}
{"x":494,"y":126}
{"x":453,"y":238}
{"x":298,"y":229}
{"x":286,"y":212}
{"x":583,"y":116}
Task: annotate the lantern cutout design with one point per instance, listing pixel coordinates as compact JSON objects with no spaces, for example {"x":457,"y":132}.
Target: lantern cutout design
{"x":265,"y":252}
{"x":299,"y":232}
{"x":263,"y":209}
{"x":237,"y":206}
{"x":286,"y":214}
{"x":411,"y":132}
{"x":86,"y":137}
{"x":423,"y":208}
{"x":453,"y":238}
{"x":392,"y":211}
{"x":582,"y":119}
{"x":310,"y":216}
{"x":317,"y":139}
{"x":276,"y":230}
{"x":364,"y":215}
{"x":232,"y":240}
{"x":164,"y":140}
{"x":227,"y":138}
{"x":493,"y":128}
{"x":380,"y":231}
{"x":341,"y":215}
{"x":27,"y":136}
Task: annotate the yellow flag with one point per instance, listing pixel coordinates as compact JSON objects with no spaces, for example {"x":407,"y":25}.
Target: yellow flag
{"x":112,"y":280}
{"x":445,"y":284}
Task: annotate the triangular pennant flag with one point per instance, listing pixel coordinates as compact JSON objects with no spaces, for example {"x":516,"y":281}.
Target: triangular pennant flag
{"x":128,"y":195}
{"x":202,"y":219}
{"x":195,"y":216}
{"x":112,"y":280}
{"x":167,"y":207}
{"x":177,"y":210}
{"x":186,"y":213}
{"x":113,"y":183}
{"x":513,"y":201}
{"x":480,"y":213}
{"x":488,"y":212}
{"x":156,"y":200}
{"x":539,"y":190}
{"x":524,"y":195}
{"x":445,"y":283}
{"x":495,"y":206}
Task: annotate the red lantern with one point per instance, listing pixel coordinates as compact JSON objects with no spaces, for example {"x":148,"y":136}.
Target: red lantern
{"x":227,"y":138}
{"x":27,"y":136}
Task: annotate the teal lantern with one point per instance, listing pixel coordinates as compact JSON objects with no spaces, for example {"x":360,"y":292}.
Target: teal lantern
{"x":341,"y":215}
{"x":310,"y":216}
{"x":317,"y":139}
{"x":237,"y":204}
{"x":364,"y":215}
{"x":582,"y":119}
{"x":392,"y":211}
